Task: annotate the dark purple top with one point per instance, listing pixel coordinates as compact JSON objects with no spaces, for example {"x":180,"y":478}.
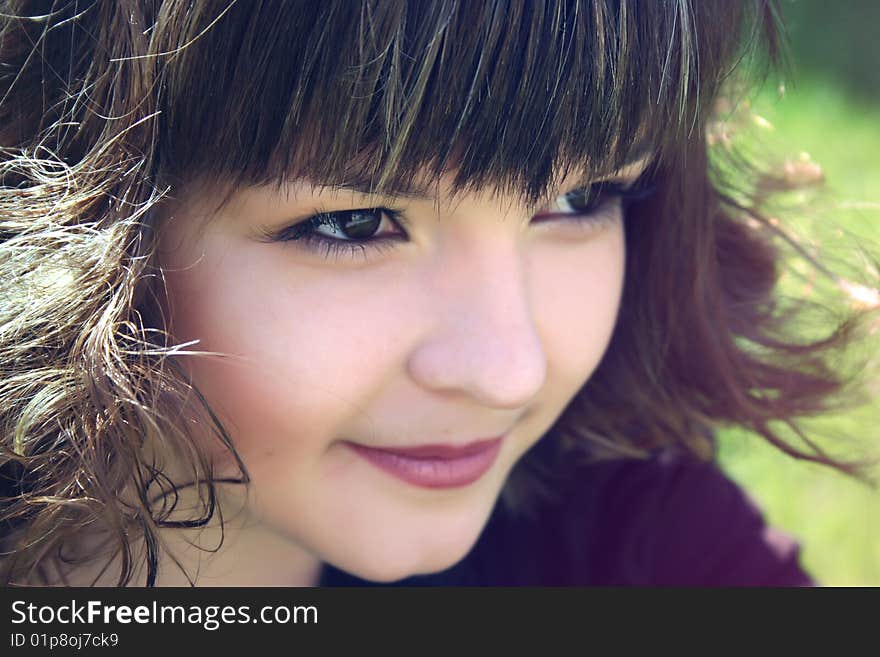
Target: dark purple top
{"x":667,"y":521}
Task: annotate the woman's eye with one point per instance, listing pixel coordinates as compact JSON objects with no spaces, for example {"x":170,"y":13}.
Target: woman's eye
{"x":363,"y":230}
{"x":585,"y":201}
{"x":580,"y":201}
{"x":349,"y":225}
{"x":594,"y":203}
{"x":345,"y":231}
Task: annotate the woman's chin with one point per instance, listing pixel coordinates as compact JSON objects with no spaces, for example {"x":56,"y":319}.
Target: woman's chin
{"x":385,"y":570}
{"x":401,"y":561}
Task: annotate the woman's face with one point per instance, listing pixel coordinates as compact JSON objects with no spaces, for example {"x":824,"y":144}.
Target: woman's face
{"x":476,"y":319}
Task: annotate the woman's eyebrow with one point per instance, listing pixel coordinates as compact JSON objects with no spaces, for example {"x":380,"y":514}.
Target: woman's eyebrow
{"x":634,"y":167}
{"x":367,"y":187}
{"x":429,"y":192}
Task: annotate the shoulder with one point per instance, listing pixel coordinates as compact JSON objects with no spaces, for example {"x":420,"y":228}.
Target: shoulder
{"x":675,"y":521}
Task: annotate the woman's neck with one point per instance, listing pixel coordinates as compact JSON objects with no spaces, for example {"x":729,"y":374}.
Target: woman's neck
{"x":241,"y":555}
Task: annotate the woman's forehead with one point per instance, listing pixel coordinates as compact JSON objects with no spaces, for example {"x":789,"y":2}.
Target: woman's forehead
{"x":514,"y":95}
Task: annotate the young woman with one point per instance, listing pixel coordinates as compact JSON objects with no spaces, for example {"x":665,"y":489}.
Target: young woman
{"x":303,"y":293}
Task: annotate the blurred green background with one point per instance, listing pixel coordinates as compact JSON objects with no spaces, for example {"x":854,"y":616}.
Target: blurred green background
{"x":829,"y":114}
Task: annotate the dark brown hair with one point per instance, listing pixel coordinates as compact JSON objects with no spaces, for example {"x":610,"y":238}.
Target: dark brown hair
{"x":107,"y":107}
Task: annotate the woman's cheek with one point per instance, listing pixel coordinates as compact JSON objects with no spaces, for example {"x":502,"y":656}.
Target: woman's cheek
{"x":576,"y":292}
{"x":302,"y":352}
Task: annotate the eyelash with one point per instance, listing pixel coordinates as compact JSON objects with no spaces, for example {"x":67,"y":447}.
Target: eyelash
{"x":304,"y":231}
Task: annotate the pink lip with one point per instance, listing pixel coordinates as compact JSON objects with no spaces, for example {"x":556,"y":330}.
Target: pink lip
{"x":434,"y":466}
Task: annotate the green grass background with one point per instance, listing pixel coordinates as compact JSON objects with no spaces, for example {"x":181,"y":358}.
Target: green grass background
{"x":836,"y":519}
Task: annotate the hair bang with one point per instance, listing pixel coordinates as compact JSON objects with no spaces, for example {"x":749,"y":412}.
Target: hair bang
{"x":514,"y":95}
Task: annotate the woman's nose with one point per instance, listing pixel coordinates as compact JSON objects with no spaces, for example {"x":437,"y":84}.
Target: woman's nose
{"x":484,"y":341}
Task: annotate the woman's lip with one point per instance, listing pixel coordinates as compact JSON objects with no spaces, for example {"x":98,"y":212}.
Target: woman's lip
{"x":434,"y":466}
{"x":440,"y":451}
